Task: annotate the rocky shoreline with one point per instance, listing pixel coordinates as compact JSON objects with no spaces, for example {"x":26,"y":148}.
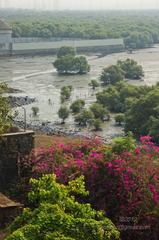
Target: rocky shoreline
{"x":53,"y":129}
{"x":19,"y":101}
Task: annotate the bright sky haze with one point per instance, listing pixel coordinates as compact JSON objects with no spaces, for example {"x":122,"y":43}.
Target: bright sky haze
{"x":80,"y":4}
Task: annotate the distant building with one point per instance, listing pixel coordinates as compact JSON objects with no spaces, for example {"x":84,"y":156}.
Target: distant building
{"x":5,"y":38}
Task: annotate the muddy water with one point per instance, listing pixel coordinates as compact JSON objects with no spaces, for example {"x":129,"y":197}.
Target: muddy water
{"x":37,"y":78}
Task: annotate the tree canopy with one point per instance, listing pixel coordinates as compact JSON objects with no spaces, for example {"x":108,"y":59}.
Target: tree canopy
{"x":139,"y":29}
{"x":58,"y":215}
{"x":67,"y":63}
{"x":99,"y":111}
{"x":84,"y":118}
{"x":5,"y":116}
{"x":111,"y":75}
{"x":77,"y":105}
{"x":94,"y":84}
{"x":66,"y":93}
{"x":65,"y":51}
{"x":142,"y":117}
{"x":63,"y":113}
{"x":131,"y":69}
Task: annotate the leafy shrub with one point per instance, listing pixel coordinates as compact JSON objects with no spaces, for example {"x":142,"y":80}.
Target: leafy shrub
{"x":131,"y":69}
{"x":57,"y":214}
{"x":111,"y":75}
{"x":77,"y":105}
{"x":122,"y":178}
{"x":63,"y":113}
{"x":124,"y":144}
{"x":99,"y":111}
{"x":66,"y":93}
{"x":120,"y":118}
{"x":5,"y":111}
{"x":84,"y":118}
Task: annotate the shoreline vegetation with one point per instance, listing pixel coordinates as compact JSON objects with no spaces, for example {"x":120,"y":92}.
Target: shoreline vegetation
{"x":127,"y":66}
{"x":67,"y":63}
{"x":138,"y":28}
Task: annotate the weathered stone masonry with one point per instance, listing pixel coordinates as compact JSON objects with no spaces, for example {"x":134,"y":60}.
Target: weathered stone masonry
{"x":13,"y":147}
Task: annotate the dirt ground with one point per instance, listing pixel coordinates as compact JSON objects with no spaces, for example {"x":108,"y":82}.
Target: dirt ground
{"x":43,"y":140}
{"x":3,"y":236}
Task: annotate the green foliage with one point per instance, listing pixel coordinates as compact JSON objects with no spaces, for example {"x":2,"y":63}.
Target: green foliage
{"x":139,"y":29}
{"x":77,"y":105}
{"x":67,"y":63}
{"x":120,"y":97}
{"x":63,"y":113}
{"x":72,"y":65}
{"x":64,"y":65}
{"x":120,"y":118}
{"x":139,"y":40}
{"x":81,"y":65}
{"x":140,"y":104}
{"x":94,"y":84}
{"x":65,"y":51}
{"x":5,"y":111}
{"x":143,"y":115}
{"x":99,"y":111}
{"x":124,"y":69}
{"x":131,"y":69}
{"x":124,"y":144}
{"x":35,"y":111}
{"x":3,"y":88}
{"x":84,"y":118}
{"x":57,"y":214}
{"x":111,"y":75}
{"x":66,"y":93}
{"x":97,"y":124}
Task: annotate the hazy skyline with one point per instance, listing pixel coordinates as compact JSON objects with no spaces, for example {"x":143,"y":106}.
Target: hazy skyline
{"x":82,"y":4}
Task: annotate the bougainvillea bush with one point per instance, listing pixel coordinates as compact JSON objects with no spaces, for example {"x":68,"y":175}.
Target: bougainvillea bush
{"x":56,"y":214}
{"x":122,"y":178}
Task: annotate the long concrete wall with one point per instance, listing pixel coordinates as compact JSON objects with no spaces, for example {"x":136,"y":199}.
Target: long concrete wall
{"x":13,"y":147}
{"x":99,"y":45}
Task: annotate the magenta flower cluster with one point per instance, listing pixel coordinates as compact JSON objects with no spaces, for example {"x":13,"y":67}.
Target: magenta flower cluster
{"x":125,"y":184}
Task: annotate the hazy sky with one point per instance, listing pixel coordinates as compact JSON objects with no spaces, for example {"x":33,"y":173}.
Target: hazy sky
{"x":80,"y":4}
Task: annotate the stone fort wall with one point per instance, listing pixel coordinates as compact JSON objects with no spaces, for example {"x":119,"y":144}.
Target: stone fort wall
{"x":13,"y":147}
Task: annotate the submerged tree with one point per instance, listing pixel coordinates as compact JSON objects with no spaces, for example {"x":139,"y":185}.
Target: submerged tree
{"x":131,"y":68}
{"x":65,"y":51}
{"x":68,"y":63}
{"x":66,"y":93}
{"x":97,"y":124}
{"x":63,"y":113}
{"x":77,"y":105}
{"x":120,"y":118}
{"x":111,"y":75}
{"x":84,"y":118}
{"x":94,"y":84}
{"x":99,"y":111}
{"x":35,"y":111}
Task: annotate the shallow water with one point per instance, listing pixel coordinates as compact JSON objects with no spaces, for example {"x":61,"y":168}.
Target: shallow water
{"x":36,"y":77}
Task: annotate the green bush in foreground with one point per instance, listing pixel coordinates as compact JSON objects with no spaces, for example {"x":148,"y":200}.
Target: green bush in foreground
{"x":58,"y":216}
{"x":5,"y":111}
